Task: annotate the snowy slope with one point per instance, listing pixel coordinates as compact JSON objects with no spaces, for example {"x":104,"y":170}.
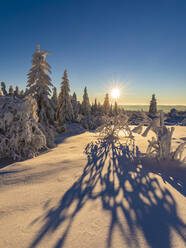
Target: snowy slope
{"x":86,"y":194}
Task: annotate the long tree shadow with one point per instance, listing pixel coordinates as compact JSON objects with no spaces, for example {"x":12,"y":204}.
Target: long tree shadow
{"x":125,"y":187}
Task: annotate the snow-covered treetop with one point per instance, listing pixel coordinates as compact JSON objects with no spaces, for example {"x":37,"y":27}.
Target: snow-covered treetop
{"x":153,"y":105}
{"x":38,"y":80}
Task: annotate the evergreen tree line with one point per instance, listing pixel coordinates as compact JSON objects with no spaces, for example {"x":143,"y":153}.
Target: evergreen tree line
{"x":56,"y":108}
{"x":60,"y":108}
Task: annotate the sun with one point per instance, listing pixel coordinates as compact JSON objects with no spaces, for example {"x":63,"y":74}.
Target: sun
{"x":115,"y":93}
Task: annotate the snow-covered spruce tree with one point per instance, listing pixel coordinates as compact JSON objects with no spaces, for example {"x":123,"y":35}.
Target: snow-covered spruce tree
{"x":153,"y":106}
{"x":38,"y":86}
{"x":11,"y":91}
{"x":17,"y":92}
{"x":75,"y":106}
{"x":100,"y":109}
{"x":106,"y":104}
{"x":85,"y":106}
{"x":20,"y":133}
{"x":64,"y":110}
{"x":3,"y":88}
{"x":95,"y":108}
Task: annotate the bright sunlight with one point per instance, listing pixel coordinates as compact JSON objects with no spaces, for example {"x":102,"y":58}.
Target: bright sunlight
{"x":115,"y":93}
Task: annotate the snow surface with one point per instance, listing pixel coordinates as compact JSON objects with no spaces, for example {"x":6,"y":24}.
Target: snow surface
{"x":86,"y":193}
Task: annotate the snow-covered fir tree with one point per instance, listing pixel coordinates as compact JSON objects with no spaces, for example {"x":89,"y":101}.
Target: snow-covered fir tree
{"x":3,"y":88}
{"x":100,"y":108}
{"x":106,"y":104}
{"x":17,"y":91}
{"x":94,"y":107}
{"x":65,"y":110}
{"x":39,"y":84}
{"x":11,"y":90}
{"x":153,"y":106}
{"x":85,"y":106}
{"x":75,"y":105}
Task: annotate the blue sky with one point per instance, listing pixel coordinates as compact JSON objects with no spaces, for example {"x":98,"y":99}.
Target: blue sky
{"x":139,"y":45}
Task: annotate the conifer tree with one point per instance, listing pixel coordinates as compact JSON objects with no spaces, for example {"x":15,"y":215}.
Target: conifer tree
{"x":39,"y":83}
{"x":11,"y":90}
{"x":65,"y":110}
{"x":3,"y":88}
{"x":85,"y":106}
{"x":95,"y":107}
{"x":106,"y":104}
{"x":75,"y":106}
{"x":153,"y":105}
{"x":100,"y":108}
{"x":17,"y":91}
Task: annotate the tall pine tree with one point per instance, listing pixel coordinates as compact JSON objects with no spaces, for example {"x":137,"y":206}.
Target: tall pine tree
{"x":153,"y":106}
{"x":85,"y":106}
{"x":39,"y":83}
{"x":75,"y":106}
{"x":17,"y":91}
{"x":106,"y":104}
{"x":95,"y":107}
{"x":11,"y":91}
{"x":65,"y":110}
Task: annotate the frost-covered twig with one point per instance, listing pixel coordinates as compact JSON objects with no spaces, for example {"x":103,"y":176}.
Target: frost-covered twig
{"x":114,"y":127}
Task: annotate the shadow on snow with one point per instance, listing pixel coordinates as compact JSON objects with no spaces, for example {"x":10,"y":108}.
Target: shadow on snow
{"x":118,"y":172}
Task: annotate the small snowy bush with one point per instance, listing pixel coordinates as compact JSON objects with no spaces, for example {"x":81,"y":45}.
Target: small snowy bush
{"x":90,"y":122}
{"x":113,"y":127}
{"x":21,"y":136}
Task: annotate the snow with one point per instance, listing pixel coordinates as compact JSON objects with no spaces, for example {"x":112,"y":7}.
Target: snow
{"x":84,"y":193}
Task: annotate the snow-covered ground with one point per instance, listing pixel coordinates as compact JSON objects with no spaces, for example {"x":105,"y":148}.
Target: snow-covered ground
{"x":87,"y":194}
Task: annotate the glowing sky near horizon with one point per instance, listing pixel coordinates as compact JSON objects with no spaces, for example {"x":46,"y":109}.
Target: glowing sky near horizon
{"x":140,"y":44}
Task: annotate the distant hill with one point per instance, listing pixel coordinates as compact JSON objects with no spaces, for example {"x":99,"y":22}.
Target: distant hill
{"x":165,"y":108}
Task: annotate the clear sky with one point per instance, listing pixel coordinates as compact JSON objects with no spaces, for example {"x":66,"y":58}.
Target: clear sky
{"x":139,"y":45}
